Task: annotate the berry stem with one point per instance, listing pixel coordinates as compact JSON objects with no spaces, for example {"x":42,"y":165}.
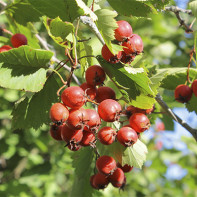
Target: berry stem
{"x":189,"y":64}
{"x":64,"y":82}
{"x":92,"y":101}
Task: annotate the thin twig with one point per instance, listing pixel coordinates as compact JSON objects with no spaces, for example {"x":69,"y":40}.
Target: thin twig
{"x":190,"y":59}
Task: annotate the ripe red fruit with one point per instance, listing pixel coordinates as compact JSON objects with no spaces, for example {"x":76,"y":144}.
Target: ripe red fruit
{"x":134,"y":45}
{"x":109,"y":56}
{"x":88,"y":139}
{"x":71,"y":136}
{"x":126,"y":168}
{"x":55,"y":132}
{"x":59,"y":113}
{"x":74,"y":147}
{"x":89,"y":90}
{"x":127,"y":59}
{"x":109,"y":110}
{"x":183,"y":93}
{"x":117,"y":178}
{"x":99,"y":181}
{"x":78,"y":118}
{"x":18,"y":40}
{"x":127,"y":136}
{"x":123,"y":31}
{"x":95,"y":75}
{"x":5,"y":48}
{"x":139,"y":122}
{"x":106,"y":164}
{"x":105,"y":92}
{"x":194,"y":87}
{"x":106,"y":135}
{"x":73,"y":97}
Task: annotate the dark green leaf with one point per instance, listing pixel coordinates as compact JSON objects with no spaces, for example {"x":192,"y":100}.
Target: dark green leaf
{"x":191,"y":105}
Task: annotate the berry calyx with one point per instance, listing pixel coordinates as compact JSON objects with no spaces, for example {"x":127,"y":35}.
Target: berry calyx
{"x":183,"y":93}
{"x":73,"y":97}
{"x":109,"y":56}
{"x":117,"y":178}
{"x":95,"y":75}
{"x":55,"y":132}
{"x":139,"y":122}
{"x":106,"y":164}
{"x":123,"y":31}
{"x":127,"y":58}
{"x":109,"y":110}
{"x":127,"y":136}
{"x":104,"y":93}
{"x":18,"y":40}
{"x":89,"y":90}
{"x":5,"y":48}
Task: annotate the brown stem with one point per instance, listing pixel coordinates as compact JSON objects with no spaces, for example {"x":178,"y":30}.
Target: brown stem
{"x":189,"y":64}
{"x":93,"y":6}
{"x":84,"y":40}
{"x":87,"y":99}
{"x":58,"y":92}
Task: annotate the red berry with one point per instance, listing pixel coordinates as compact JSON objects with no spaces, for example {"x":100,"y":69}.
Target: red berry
{"x":74,"y":147}
{"x":134,"y":45}
{"x":78,"y":118}
{"x":126,"y":168}
{"x":127,"y":58}
{"x":123,"y":31}
{"x":88,"y":139}
{"x":106,"y":164}
{"x":18,"y":40}
{"x":109,"y":110}
{"x":104,"y":92}
{"x":127,"y":136}
{"x":59,"y":113}
{"x":89,"y":90}
{"x":55,"y":132}
{"x":99,"y":181}
{"x":107,"y":135}
{"x":183,"y":93}
{"x":139,"y":122}
{"x":5,"y":48}
{"x":109,"y":56}
{"x":71,"y":136}
{"x":117,"y":178}
{"x":73,"y":97}
{"x":95,"y":75}
{"x":194,"y":87}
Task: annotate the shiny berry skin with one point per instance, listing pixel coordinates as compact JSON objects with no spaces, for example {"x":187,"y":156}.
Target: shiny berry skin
{"x":117,"y":178}
{"x":183,"y":93}
{"x":109,"y":57}
{"x":73,"y":97}
{"x":59,"y":113}
{"x":89,"y":90}
{"x":103,"y":93}
{"x":139,"y":122}
{"x":109,"y":110}
{"x":88,"y":139}
{"x":5,"y":48}
{"x":123,"y":31}
{"x":106,"y":164}
{"x":18,"y":40}
{"x":71,"y":136}
{"x":106,"y":135}
{"x":134,"y":45}
{"x":127,"y":136}
{"x":194,"y":87}
{"x":126,"y":168}
{"x":95,"y":75}
{"x":99,"y":181}
{"x":78,"y":118}
{"x":55,"y":132}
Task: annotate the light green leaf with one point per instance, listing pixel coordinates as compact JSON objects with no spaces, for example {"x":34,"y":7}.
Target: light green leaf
{"x":193,"y":7}
{"x":191,"y":105}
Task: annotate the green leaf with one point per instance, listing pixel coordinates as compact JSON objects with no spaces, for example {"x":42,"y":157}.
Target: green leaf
{"x":193,"y":7}
{"x":191,"y":105}
{"x":24,"y":68}
{"x":82,"y":162}
{"x":34,"y":112}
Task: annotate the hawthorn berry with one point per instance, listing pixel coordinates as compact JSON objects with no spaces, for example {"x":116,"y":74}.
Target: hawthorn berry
{"x":106,"y":164}
{"x":183,"y":93}
{"x":5,"y":48}
{"x":88,"y":139}
{"x":95,"y":75}
{"x":194,"y":87}
{"x":127,"y":58}
{"x":106,"y":135}
{"x":103,"y":93}
{"x":117,"y":178}
{"x":126,"y":168}
{"x":73,"y":97}
{"x":109,"y":56}
{"x":139,"y":122}
{"x":59,"y":113}
{"x":99,"y":181}
{"x":127,"y":136}
{"x":18,"y":40}
{"x":89,"y":90}
{"x":109,"y":110}
{"x":55,"y":132}
{"x":123,"y":31}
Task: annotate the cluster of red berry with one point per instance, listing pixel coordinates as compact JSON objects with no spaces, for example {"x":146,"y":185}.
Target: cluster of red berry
{"x":132,"y":44}
{"x":183,"y":93}
{"x":17,"y":40}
